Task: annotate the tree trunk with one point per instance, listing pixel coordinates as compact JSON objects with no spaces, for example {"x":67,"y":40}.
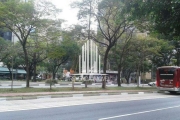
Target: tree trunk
{"x":54,"y":75}
{"x":27,"y":75}
{"x":128,"y":77}
{"x":34,"y":65}
{"x":86,"y":82}
{"x":73,"y":79}
{"x":119,"y":76}
{"x":30,"y":73}
{"x":27,"y":66}
{"x":104,"y":68}
{"x":10,"y":71}
{"x":50,"y":85}
{"x":105,"y":61}
{"x":34,"y":73}
{"x":138,"y":75}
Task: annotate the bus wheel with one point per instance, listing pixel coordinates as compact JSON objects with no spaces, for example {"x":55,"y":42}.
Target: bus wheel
{"x":173,"y":92}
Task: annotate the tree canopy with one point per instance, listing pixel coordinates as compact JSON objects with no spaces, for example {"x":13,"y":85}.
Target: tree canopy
{"x":161,"y":16}
{"x":22,"y":17}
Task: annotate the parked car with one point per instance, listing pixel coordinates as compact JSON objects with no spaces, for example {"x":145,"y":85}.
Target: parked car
{"x":152,"y":83}
{"x":40,"y":77}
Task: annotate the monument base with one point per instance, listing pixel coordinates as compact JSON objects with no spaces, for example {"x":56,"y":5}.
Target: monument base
{"x":90,"y":76}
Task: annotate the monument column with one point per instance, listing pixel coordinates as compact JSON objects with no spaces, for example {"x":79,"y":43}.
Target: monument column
{"x":89,"y":61}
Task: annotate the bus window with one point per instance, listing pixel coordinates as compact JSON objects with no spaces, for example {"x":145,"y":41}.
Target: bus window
{"x":166,"y":73}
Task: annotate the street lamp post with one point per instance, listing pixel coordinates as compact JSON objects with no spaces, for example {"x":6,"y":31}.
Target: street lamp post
{"x":12,"y":63}
{"x":178,"y":55}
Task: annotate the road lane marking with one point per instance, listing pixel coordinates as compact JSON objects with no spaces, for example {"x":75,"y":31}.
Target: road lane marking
{"x":107,"y":118}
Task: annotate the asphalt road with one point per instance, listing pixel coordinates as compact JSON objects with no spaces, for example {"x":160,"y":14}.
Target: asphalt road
{"x":155,"y":106}
{"x":21,"y":84}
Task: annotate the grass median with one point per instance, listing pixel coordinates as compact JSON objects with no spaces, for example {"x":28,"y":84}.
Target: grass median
{"x":68,"y":89}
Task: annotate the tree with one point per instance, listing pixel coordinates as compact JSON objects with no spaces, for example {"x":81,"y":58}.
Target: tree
{"x":22,"y":17}
{"x":158,"y":17}
{"x":165,"y":55}
{"x":111,"y":24}
{"x":6,"y":56}
{"x":132,"y":55}
{"x":3,"y":49}
{"x":162,"y":16}
{"x":60,"y":53}
{"x":11,"y":55}
{"x":51,"y":82}
{"x":75,"y":36}
{"x":120,"y":54}
{"x":37,"y":53}
{"x":145,"y":48}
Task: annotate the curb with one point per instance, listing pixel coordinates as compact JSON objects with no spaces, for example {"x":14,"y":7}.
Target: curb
{"x":72,"y":95}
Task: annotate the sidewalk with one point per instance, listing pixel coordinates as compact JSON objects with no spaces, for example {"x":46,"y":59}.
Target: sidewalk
{"x":40,"y":95}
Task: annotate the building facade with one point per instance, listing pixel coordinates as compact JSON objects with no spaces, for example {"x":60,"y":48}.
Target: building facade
{"x":7,"y":35}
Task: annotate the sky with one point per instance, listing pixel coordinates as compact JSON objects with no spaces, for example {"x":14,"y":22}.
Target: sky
{"x":69,"y":14}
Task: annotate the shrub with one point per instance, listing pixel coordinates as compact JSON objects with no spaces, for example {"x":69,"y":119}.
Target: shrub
{"x":88,"y":82}
{"x":78,"y":80}
{"x":51,"y":82}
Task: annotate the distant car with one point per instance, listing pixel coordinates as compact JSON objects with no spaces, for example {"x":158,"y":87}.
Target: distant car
{"x":152,"y":83}
{"x":38,"y":78}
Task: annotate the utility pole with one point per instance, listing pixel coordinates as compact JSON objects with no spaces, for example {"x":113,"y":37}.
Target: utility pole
{"x":12,"y":63}
{"x":89,"y":42}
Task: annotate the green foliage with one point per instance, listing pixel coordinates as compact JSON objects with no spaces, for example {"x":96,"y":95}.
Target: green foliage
{"x":51,"y":82}
{"x":165,"y":54}
{"x":63,"y":89}
{"x":88,"y":82}
{"x":156,"y":15}
{"x":4,"y":49}
{"x":86,"y":7}
{"x":60,"y":52}
{"x":67,"y":48}
{"x":22,"y":17}
{"x":128,"y":53}
{"x":56,"y":52}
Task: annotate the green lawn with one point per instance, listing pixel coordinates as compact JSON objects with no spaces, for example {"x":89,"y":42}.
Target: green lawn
{"x":27,"y":90}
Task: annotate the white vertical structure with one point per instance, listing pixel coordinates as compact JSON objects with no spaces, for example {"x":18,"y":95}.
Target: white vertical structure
{"x":87,"y":56}
{"x":80,"y":64}
{"x":84,"y":58}
{"x":91,"y":56}
{"x":99,"y":64}
{"x":95,"y":60}
{"x":90,"y":59}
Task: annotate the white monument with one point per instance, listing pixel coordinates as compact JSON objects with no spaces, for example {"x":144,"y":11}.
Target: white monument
{"x":89,"y":60}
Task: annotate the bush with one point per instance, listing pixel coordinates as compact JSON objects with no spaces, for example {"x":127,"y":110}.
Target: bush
{"x":88,"y":82}
{"x":51,"y":82}
{"x":78,"y":80}
{"x":123,"y":80}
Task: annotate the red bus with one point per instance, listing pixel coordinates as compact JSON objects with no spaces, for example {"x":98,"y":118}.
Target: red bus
{"x":168,"y":78}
